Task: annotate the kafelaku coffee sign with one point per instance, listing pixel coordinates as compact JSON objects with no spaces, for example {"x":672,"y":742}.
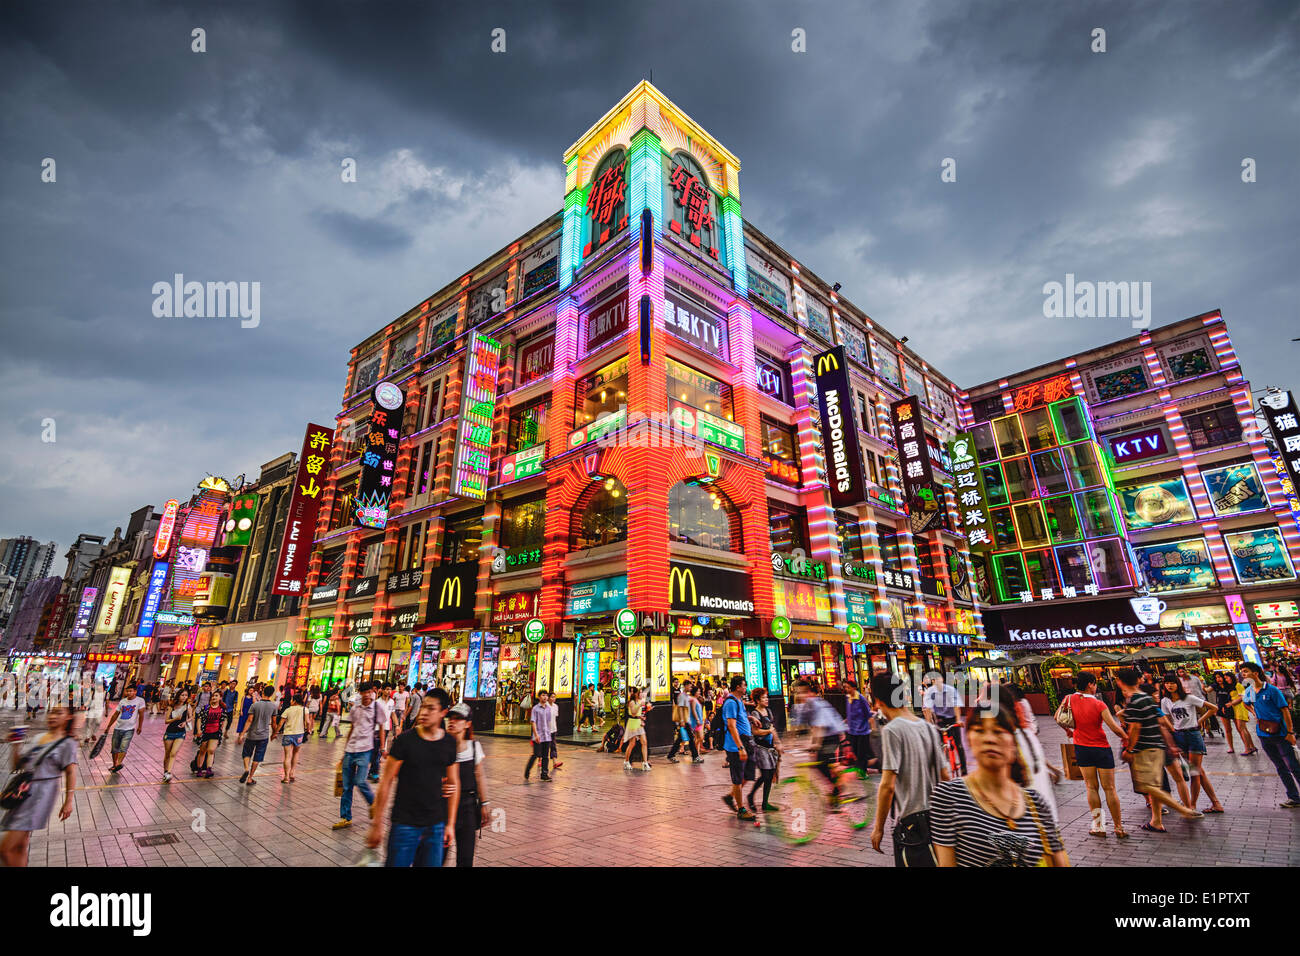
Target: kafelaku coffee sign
{"x":1081,"y":624}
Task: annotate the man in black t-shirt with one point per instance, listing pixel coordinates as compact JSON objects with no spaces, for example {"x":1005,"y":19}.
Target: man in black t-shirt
{"x":418,"y":763}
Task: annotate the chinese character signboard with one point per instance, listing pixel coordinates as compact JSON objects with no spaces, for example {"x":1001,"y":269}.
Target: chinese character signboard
{"x":379,"y":456}
{"x":1234,"y":489}
{"x":523,"y":464}
{"x":239,"y":525}
{"x":1284,"y":421}
{"x":1176,"y":565}
{"x":198,"y":531}
{"x":1259,"y":555}
{"x":924,"y":502}
{"x":516,"y":608}
{"x":85,"y":611}
{"x":752,"y":655}
{"x":660,"y":688}
{"x":477,"y":406}
{"x":968,"y":489}
{"x":694,"y":324}
{"x":605,"y":322}
{"x":536,"y":360}
{"x":607,"y":196}
{"x":1029,"y":397}
{"x":152,"y":599}
{"x":839,"y":433}
{"x":162,"y":541}
{"x":693,"y":196}
{"x":304,"y":506}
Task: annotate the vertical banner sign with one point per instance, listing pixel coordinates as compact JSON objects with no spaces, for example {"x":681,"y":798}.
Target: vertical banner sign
{"x":839,"y":433}
{"x":304,"y":506}
{"x":1284,"y":421}
{"x":239,"y":526}
{"x":379,"y":456}
{"x":563,"y":670}
{"x":114,"y":596}
{"x":830,"y":664}
{"x":542,"y":680}
{"x":162,"y":540}
{"x":152,"y":598}
{"x":972,"y":498}
{"x":198,"y":532}
{"x":472,"y":666}
{"x":636,"y":670}
{"x":477,"y":406}
{"x":923,"y":503}
{"x":772,"y":652}
{"x":590,"y":668}
{"x":80,"y":626}
{"x":660,"y":682}
{"x":751,"y":653}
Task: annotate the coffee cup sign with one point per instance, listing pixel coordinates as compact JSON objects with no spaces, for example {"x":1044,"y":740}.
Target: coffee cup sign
{"x":1148,"y":609}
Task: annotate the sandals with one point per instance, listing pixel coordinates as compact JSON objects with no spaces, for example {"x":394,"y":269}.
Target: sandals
{"x":1150,"y":829}
{"x":1097,"y":833}
{"x":1213,"y":810}
{"x":1121,"y":834}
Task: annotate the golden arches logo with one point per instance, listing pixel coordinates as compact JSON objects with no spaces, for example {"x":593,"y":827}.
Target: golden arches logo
{"x":449,"y":587}
{"x":827,"y":361}
{"x":683,"y":576}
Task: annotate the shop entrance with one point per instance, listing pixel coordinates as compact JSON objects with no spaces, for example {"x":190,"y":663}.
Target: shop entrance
{"x":516,"y":671}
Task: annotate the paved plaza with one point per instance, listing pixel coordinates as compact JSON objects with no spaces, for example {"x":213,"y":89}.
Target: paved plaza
{"x":594,"y":813}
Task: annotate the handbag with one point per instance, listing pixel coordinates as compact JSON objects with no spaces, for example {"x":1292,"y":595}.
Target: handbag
{"x":1064,"y":716}
{"x":19,"y":785}
{"x":1046,"y":859}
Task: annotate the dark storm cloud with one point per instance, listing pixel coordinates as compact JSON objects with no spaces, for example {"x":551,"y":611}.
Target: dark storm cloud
{"x":224,"y":166}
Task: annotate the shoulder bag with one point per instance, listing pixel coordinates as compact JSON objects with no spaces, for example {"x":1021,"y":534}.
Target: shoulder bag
{"x":1064,"y":716}
{"x":19,"y":785}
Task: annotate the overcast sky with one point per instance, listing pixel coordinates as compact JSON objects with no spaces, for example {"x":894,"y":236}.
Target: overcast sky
{"x":224,"y":166}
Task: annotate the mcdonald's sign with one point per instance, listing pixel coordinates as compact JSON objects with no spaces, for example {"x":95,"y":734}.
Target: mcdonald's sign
{"x":452,"y":588}
{"x":709,"y":590}
{"x":839,"y":431}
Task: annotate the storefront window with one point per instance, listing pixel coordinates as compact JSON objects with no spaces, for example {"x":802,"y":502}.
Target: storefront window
{"x":404,"y":349}
{"x":774,"y":378}
{"x":1009,"y":570}
{"x":527,"y":426}
{"x":789,"y":527}
{"x":1109,"y":566}
{"x":602,"y":393}
{"x":1050,"y":474}
{"x":604,"y":519}
{"x":1062,"y":520}
{"x":1069,"y":420}
{"x":1081,"y":462}
{"x":1030,"y":524}
{"x":1041,"y":569}
{"x":1007,"y":432}
{"x":702,"y":515}
{"x":986,"y":446}
{"x":462,"y":537}
{"x":698,"y":390}
{"x":890,"y":554}
{"x":1073,"y":561}
{"x":1020,"y":480}
{"x":994,"y":485}
{"x":1004,"y":528}
{"x":1218,"y":425}
{"x":410,"y":546}
{"x":523,"y":523}
{"x":367,"y":372}
{"x":778,"y":440}
{"x":1038,"y":429}
{"x":1098,"y":516}
{"x":849,"y":533}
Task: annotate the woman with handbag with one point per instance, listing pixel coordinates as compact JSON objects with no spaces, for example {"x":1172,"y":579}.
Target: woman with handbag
{"x":1081,"y":715}
{"x":767,"y":749}
{"x":472,"y":813}
{"x":988,"y":818}
{"x":179,"y":716}
{"x":29,"y":794}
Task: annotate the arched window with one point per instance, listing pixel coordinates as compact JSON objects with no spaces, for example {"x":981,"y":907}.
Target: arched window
{"x":601,"y":515}
{"x":701,"y":515}
{"x":693,"y":204}
{"x":607,"y":200}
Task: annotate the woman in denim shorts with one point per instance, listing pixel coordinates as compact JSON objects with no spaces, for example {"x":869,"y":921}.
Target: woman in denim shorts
{"x":1188,"y":713}
{"x":292,"y":726}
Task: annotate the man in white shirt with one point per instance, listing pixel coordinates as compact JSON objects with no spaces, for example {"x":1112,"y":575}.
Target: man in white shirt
{"x":400,"y":698}
{"x":385,"y":705}
{"x":555,"y":727}
{"x":941,"y":705}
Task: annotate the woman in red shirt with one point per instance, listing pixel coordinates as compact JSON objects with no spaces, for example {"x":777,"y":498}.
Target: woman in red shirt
{"x":1092,"y":751}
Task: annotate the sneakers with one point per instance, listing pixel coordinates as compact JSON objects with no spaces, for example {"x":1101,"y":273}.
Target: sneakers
{"x":771,"y":808}
{"x":745,"y":815}
{"x":342,"y":825}
{"x":672,"y":760}
{"x":626,"y":765}
{"x":697,"y":760}
{"x":645,"y":766}
{"x":167,"y":777}
{"x":546,"y":779}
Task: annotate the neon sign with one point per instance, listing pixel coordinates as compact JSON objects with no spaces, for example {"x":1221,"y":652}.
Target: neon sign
{"x":162,"y":541}
{"x":477,"y":408}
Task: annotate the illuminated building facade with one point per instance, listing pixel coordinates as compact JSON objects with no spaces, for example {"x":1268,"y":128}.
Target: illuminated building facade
{"x":1208,"y":542}
{"x":619,"y":412}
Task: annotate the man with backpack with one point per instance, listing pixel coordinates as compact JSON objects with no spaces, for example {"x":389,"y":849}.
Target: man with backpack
{"x":682,"y":731}
{"x":912,"y":765}
{"x":738,"y":745}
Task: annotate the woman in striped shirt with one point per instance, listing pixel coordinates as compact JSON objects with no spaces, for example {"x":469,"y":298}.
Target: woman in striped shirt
{"x":988,"y":817}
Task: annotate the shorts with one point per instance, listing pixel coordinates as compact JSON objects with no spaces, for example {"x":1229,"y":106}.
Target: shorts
{"x":122,"y":740}
{"x":291,"y":740}
{"x":255,"y":749}
{"x":1190,"y":741}
{"x":174,"y":735}
{"x":1103,"y":758}
{"x":741,"y":770}
{"x":1148,"y":769}
{"x":211,"y":735}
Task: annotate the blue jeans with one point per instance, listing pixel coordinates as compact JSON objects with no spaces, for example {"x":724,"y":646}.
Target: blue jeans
{"x":415,"y":846}
{"x":1283,"y":756}
{"x":374,"y":762}
{"x":354,"y":775}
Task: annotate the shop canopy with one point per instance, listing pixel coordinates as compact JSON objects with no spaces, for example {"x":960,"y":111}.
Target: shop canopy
{"x":1154,"y":654}
{"x":1029,"y":661}
{"x":983,"y":662}
{"x":1098,"y":658}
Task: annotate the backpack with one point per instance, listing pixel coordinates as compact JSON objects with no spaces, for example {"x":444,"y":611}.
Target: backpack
{"x":718,"y":730}
{"x":613,"y":737}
